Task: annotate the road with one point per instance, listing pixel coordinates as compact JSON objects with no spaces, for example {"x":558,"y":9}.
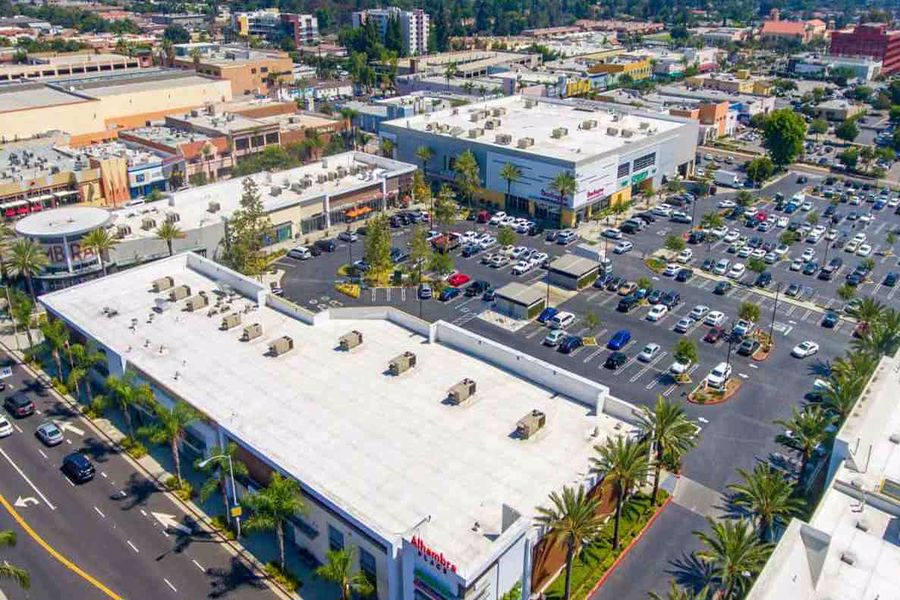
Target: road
{"x":117,"y":536}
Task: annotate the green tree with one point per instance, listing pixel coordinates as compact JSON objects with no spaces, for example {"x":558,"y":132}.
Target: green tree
{"x":387,"y":148}
{"x":468,"y":177}
{"x":338,"y":568}
{"x":510,"y":173}
{"x":784,"y":132}
{"x":56,"y":336}
{"x":675,"y":243}
{"x":788,"y":237}
{"x":10,"y":571}
{"x":506,"y":236}
{"x":869,"y":310}
{"x":812,"y":218}
{"x":757,"y":265}
{"x":377,"y":250}
{"x":883,"y":337}
{"x":169,"y":232}
{"x":846,"y":292}
{"x":760,"y":169}
{"x":591,"y":320}
{"x":444,"y":209}
{"x":745,"y":198}
{"x":419,"y":250}
{"x":565,"y":184}
{"x":817,"y":127}
{"x":217,"y":473}
{"x":670,"y":433}
{"x":22,"y":313}
{"x":84,"y":359}
{"x":847,"y":130}
{"x":573,"y":522}
{"x":27,"y":259}
{"x":731,"y":550}
{"x":246,"y":232}
{"x":849,"y":157}
{"x":768,"y":496}
{"x":271,"y":508}
{"x":129,"y":394}
{"x":623,"y":464}
{"x":712,"y":220}
{"x":425,"y":154}
{"x":176,"y":34}
{"x":749,"y":312}
{"x":100,"y":242}
{"x":680,"y":593}
{"x":809,"y":429}
{"x":169,"y":428}
{"x":685,"y":351}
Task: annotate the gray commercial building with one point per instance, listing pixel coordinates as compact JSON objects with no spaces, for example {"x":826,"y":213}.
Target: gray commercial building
{"x":519,"y":301}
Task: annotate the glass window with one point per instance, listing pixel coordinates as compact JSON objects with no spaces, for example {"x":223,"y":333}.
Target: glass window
{"x":624,"y":170}
{"x":644,"y":161}
{"x":367,"y":566}
{"x":335,"y":539}
{"x":271,"y":138}
{"x":241,"y":143}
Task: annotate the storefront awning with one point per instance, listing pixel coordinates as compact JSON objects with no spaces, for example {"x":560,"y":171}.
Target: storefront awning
{"x":358,"y":212}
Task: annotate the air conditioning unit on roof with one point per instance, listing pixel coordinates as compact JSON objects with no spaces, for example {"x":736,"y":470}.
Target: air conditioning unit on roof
{"x":525,"y":142}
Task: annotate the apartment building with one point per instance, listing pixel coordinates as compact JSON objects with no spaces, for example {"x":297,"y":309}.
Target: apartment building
{"x":273,"y":25}
{"x":414,"y":26}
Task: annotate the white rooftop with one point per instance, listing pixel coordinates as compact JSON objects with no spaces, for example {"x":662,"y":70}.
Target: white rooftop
{"x":386,"y":449}
{"x":68,"y":220}
{"x":537,"y":119}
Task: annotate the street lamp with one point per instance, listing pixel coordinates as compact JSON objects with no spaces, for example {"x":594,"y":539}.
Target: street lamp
{"x":234,"y":503}
{"x":774,"y":310}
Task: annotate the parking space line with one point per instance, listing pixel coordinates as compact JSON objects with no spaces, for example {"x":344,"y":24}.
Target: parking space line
{"x":648,"y":367}
{"x":593,"y":354}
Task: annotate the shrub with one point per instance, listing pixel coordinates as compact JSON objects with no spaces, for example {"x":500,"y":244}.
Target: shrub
{"x":185,"y":491}
{"x":133,"y":448}
{"x":283,"y":578}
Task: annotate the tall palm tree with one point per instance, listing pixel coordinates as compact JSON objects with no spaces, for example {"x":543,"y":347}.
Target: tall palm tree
{"x":56,"y":334}
{"x":350,"y":116}
{"x":883,"y":336}
{"x":100,"y":242}
{"x":572,"y":521}
{"x":169,"y":232}
{"x":218,"y":475}
{"x":7,"y":234}
{"x":669,"y":431}
{"x":128,"y":394}
{"x":768,"y":496}
{"x":564,"y":184}
{"x":84,"y":358}
{"x":869,"y":310}
{"x":272,"y":506}
{"x":425,"y":154}
{"x":338,"y":568}
{"x":679,"y":593}
{"x":170,"y":426}
{"x":27,"y":259}
{"x":732,"y":550}
{"x":623,"y":464}
{"x":511,"y":174}
{"x":8,"y":571}
{"x":842,"y":393}
{"x":809,"y":429}
{"x":22,"y":313}
{"x":468,"y":175}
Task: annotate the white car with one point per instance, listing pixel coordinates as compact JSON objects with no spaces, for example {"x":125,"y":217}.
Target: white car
{"x":657,"y":312}
{"x":649,"y":352}
{"x":771,"y":258}
{"x":852,"y":246}
{"x":864,"y":250}
{"x":521,"y":267}
{"x":758,"y":253}
{"x":497,"y":218}
{"x":721,"y":266}
{"x":804,"y":349}
{"x":867,"y":218}
{"x":751,"y":212}
{"x":561,"y":320}
{"x":5,"y":428}
{"x":893,"y":202}
{"x":623,"y":247}
{"x":782,"y":249}
{"x":679,"y":368}
{"x":859,"y":237}
{"x":300,"y":253}
{"x":518,"y":252}
{"x":685,"y":256}
{"x":720,"y":232}
{"x":539,"y":259}
{"x":671,"y":270}
{"x":808,"y":255}
{"x":714,"y":319}
{"x":797,"y":264}
{"x":468,"y":237}
{"x":719,"y":375}
{"x":698,"y":312}
{"x":554,"y":337}
{"x":831,"y":235}
{"x":806,"y":206}
{"x":727,"y":203}
{"x":737,"y":271}
{"x":732,"y":236}
{"x":487,"y":241}
{"x":745,"y":251}
{"x":782,"y":222}
{"x":508,"y":221}
{"x":661,"y":211}
{"x":612,"y":233}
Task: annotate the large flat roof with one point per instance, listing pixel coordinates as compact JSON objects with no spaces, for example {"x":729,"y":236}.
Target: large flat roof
{"x":388,"y":450}
{"x":19,"y":96}
{"x":537,"y":119}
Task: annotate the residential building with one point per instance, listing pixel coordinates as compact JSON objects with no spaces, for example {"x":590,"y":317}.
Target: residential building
{"x":205,"y":157}
{"x":96,"y":105}
{"x":29,"y":24}
{"x":40,"y":67}
{"x":250,"y":71}
{"x":774,"y":28}
{"x":273,"y":26}
{"x":849,"y":548}
{"x":838,"y":110}
{"x":467,"y":64}
{"x":874,"y":40}
{"x":530,"y":429}
{"x":621,"y":27}
{"x":414,"y":26}
{"x":612,"y":151}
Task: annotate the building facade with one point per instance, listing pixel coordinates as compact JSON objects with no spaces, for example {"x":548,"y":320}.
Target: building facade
{"x":414,"y":26}
{"x":250,"y":71}
{"x":874,"y":40}
{"x":273,"y":26}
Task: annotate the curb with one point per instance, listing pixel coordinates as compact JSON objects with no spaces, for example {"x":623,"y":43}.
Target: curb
{"x":629,"y":547}
{"x":231,"y":546}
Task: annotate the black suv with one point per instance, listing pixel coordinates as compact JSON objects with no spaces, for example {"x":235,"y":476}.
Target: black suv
{"x":78,"y":467}
{"x":476,"y":288}
{"x":326,"y":245}
{"x":627,"y":303}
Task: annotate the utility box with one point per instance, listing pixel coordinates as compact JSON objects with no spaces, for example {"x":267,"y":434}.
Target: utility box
{"x":351,"y":340}
{"x":462,"y":391}
{"x":230,"y":321}
{"x":179,"y":293}
{"x":162,"y":284}
{"x":196,"y":302}
{"x":530,"y":424}
{"x":281,"y":346}
{"x":251,"y":332}
{"x":402,"y":363}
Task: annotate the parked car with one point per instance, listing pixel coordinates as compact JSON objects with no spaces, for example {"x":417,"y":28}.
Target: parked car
{"x":623,"y":247}
{"x":6,"y":429}
{"x":683,"y":324}
{"x":684,"y":275}
{"x":747,"y":347}
{"x":425,"y":292}
{"x":348,"y":236}
{"x":722,"y":288}
{"x":714,"y":335}
{"x":649,"y":352}
{"x":554,"y":337}
{"x":547,"y":314}
{"x":714,"y":319}
{"x":458,"y":279}
{"x":830,"y":320}
{"x":561,"y":320}
{"x":327,"y":245}
{"x":476,"y":288}
{"x":78,"y":467}
{"x":657,"y":312}
{"x":299,"y":253}
{"x":566,"y":237}
{"x":718,"y":377}
{"x":449,"y":293}
{"x":615,"y":360}
{"x":19,"y":406}
{"x":619,"y":340}
{"x":805,"y":349}
{"x":570,"y":343}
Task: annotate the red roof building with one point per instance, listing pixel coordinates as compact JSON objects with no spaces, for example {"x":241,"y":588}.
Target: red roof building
{"x":874,"y":40}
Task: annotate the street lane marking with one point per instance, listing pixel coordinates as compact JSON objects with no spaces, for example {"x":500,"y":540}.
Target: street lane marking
{"x":103,"y":474}
{"x":99,"y":512}
{"x":199,"y":566}
{"x":133,"y":547}
{"x":28,"y":481}
{"x":169,"y":583}
{"x":41,"y":452}
{"x":17,"y":428}
{"x":54,"y":553}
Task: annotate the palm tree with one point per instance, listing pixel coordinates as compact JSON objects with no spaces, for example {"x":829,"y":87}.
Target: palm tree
{"x":8,"y":571}
{"x":450,"y":72}
{"x":564,"y":184}
{"x":100,"y":242}
{"x":869,"y":310}
{"x":272,"y":506}
{"x":468,"y":175}
{"x":387,"y":148}
{"x":350,"y":116}
{"x":27,"y":259}
{"x":669,"y":431}
{"x":56,"y":334}
{"x":84,"y":358}
{"x":338,"y":568}
{"x":767,"y":495}
{"x":679,"y":593}
{"x":217,"y":475}
{"x":169,"y":232}
{"x":572,"y":521}
{"x":22,"y":313}
{"x":511,"y":174}
{"x":128,"y":394}
{"x":809,"y":429}
{"x":883,"y":336}
{"x":7,"y":233}
{"x":732,"y":550}
{"x":425,"y":154}
{"x":842,"y":393}
{"x":623,"y":464}
{"x":170,"y":426}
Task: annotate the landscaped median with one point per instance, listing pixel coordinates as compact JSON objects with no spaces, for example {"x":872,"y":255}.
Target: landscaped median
{"x":599,"y":558}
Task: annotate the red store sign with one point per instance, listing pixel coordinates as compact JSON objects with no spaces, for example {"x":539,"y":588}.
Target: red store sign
{"x":436,"y":558}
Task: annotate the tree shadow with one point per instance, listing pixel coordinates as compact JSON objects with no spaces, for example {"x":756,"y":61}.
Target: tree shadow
{"x":236,"y":575}
{"x":731,"y":509}
{"x":136,"y":491}
{"x":690,"y":572}
{"x":36,"y":387}
{"x":819,"y":368}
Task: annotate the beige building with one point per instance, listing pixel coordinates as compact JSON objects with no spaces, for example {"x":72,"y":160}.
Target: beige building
{"x":250,"y":71}
{"x":75,"y":64}
{"x":92,"y":106}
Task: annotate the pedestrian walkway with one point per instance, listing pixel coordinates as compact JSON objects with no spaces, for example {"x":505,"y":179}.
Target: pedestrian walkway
{"x":699,"y":499}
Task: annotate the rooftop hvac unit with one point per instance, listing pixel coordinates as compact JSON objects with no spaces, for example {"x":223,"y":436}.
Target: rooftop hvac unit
{"x":643,"y":125}
{"x":281,"y":346}
{"x":230,"y":321}
{"x":529,"y":103}
{"x":462,"y":391}
{"x":612,"y":131}
{"x":503,"y":138}
{"x":530,"y":424}
{"x":251,"y":332}
{"x":320,"y":178}
{"x":147,"y":223}
{"x":172,"y":217}
{"x":457,"y":131}
{"x":297,"y":187}
{"x":430,"y":126}
{"x":476,"y":132}
{"x":560,"y":132}
{"x":162,"y":284}
{"x":275,"y":190}
{"x":493,"y":124}
{"x":122,"y":231}
{"x":402,"y":363}
{"x":589,"y":124}
{"x":627,"y":133}
{"x":848,"y":558}
{"x":475,"y":116}
{"x":214,"y":207}
{"x":196,"y":302}
{"x":351,"y":340}
{"x":498,"y":111}
{"x":615,"y":118}
{"x":179,"y":293}
{"x":341,"y":172}
{"x":331,"y":175}
{"x":526,"y":142}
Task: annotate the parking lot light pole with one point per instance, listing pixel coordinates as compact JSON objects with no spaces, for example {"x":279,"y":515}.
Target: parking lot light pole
{"x":234,"y":500}
{"x":774,"y":310}
{"x":728,"y":355}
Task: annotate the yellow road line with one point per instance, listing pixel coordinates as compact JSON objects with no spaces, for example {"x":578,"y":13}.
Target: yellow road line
{"x":55,"y":554}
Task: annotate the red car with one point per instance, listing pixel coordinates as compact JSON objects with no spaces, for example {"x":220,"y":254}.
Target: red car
{"x":458,"y":279}
{"x":714,"y":335}
{"x":483,"y":216}
{"x":761,"y":216}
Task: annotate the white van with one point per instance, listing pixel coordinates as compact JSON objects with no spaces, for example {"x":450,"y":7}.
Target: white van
{"x":561,"y":320}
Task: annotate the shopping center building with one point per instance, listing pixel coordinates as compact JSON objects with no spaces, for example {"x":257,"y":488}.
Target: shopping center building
{"x":425,"y":447}
{"x":613,"y":151}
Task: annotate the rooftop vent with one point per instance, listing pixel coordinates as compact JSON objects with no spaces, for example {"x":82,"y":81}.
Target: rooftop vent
{"x":402,"y":363}
{"x":894,"y":438}
{"x":172,"y":217}
{"x":862,"y":525}
{"x":849,"y":558}
{"x":530,"y":424}
{"x":462,"y":391}
{"x":196,"y":302}
{"x":351,"y":340}
{"x":214,"y":207}
{"x":162,"y":284}
{"x":148,"y":223}
{"x":457,"y":131}
{"x":560,"y":132}
{"x":627,"y":133}
{"x":503,"y":138}
{"x":493,"y":124}
{"x":499,"y":111}
{"x":281,"y":346}
{"x":230,"y":321}
{"x":122,"y":231}
{"x":589,"y":124}
{"x":275,"y":191}
{"x":476,"y":116}
{"x":612,"y":131}
{"x":179,"y":293}
{"x":476,"y":132}
{"x":529,"y":103}
{"x":251,"y":332}
{"x":644,"y":125}
{"x":525,"y":142}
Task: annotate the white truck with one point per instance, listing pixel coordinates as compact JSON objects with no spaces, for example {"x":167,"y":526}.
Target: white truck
{"x":727,"y":178}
